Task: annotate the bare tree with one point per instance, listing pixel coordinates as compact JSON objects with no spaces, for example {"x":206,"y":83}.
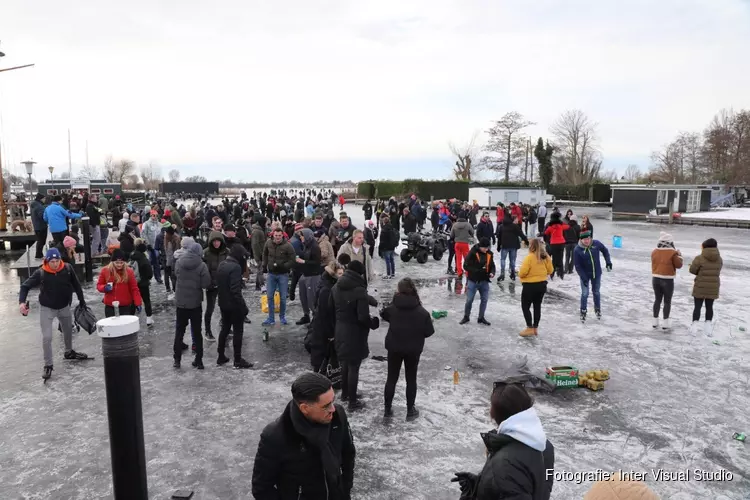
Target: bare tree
{"x":667,"y":164}
{"x":151,"y":175}
{"x":466,"y":159}
{"x":577,"y":159}
{"x":632,"y":173}
{"x":89,"y":172}
{"x":109,"y":169}
{"x":505,"y":146}
{"x":196,"y":178}
{"x":174,"y":175}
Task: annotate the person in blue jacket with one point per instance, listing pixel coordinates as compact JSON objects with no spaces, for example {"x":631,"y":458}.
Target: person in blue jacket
{"x":589,"y":269}
{"x":57,"y":217}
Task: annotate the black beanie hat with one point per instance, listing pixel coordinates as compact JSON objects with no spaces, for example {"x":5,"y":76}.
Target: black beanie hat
{"x":238,"y":252}
{"x":484,"y":243}
{"x":357,"y":267}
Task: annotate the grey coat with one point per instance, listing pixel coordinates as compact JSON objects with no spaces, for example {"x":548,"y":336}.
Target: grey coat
{"x":462,"y":232}
{"x":192,"y":278}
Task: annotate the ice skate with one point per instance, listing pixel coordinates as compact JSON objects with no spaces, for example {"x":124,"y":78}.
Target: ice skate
{"x":583,"y":315}
{"x":75,"y":356}
{"x":708,"y":328}
{"x":47,"y":373}
{"x":598,"y":313}
{"x":149,"y":321}
{"x":655,"y":322}
{"x":412,"y":413}
{"x":666,"y":324}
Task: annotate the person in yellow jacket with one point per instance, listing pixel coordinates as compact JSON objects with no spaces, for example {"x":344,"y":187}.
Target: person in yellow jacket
{"x":535,"y":269}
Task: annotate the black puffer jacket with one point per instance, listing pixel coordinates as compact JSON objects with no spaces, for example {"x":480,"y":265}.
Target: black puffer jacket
{"x":572,"y":233}
{"x":352,"y":306}
{"x":480,"y":266}
{"x":508,"y":234}
{"x":324,"y":321}
{"x":214,"y":256}
{"x":484,"y":230}
{"x":310,"y":254}
{"x":388,"y":238}
{"x":409,"y":325}
{"x":145,"y":271}
{"x":56,"y":287}
{"x":410,"y":223}
{"x":287,"y":467}
{"x":229,"y":285}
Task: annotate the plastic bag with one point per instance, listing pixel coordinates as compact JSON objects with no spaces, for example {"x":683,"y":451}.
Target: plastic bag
{"x":276,"y":303}
{"x":85,"y":318}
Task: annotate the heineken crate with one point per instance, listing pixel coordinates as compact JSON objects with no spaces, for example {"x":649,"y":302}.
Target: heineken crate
{"x":563,"y":376}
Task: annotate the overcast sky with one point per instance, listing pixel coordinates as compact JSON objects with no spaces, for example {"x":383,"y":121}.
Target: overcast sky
{"x":261,"y":90}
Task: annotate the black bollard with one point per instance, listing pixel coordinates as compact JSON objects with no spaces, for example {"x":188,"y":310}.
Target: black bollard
{"x":88,"y":263}
{"x":123,"y":382}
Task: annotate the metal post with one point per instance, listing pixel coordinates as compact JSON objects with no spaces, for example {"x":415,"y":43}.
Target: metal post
{"x":122,"y":379}
{"x":88,"y":264}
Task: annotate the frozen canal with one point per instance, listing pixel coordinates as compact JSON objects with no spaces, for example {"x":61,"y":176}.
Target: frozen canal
{"x":672,"y":403}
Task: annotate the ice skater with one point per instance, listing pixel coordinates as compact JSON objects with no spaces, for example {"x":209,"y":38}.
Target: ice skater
{"x":57,"y":282}
{"x":707,"y":268}
{"x":480,"y":268}
{"x":665,"y":261}
{"x":589,"y":269}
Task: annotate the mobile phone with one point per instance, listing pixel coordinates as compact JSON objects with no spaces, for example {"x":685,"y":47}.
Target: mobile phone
{"x":182,"y":495}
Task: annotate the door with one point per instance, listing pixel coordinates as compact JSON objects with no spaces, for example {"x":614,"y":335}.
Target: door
{"x":694,"y":201}
{"x":682,"y":204}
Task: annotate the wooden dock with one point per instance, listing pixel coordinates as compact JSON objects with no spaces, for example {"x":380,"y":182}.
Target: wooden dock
{"x":18,"y":240}
{"x":711,"y":222}
{"x":28,"y":263}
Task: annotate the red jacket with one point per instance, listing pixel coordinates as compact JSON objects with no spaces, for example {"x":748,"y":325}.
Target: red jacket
{"x":126,"y":293}
{"x":517,"y":212}
{"x":555,"y":232}
{"x":500,"y":212}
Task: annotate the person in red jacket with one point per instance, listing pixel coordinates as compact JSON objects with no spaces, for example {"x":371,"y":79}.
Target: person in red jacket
{"x":516,"y":212}
{"x":118,"y":284}
{"x":342,"y":201}
{"x":556,"y":232}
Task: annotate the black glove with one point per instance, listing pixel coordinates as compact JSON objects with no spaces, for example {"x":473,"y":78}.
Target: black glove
{"x":467,"y":481}
{"x":609,"y":266}
{"x":374,"y":322}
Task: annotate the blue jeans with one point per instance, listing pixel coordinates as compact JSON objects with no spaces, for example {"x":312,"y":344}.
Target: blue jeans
{"x":390,"y":264}
{"x":595,"y":284}
{"x":153,"y":257}
{"x":511,"y":253}
{"x":484,"y":294}
{"x":280,"y":283}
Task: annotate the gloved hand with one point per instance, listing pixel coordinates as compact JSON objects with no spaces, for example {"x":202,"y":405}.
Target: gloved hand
{"x":138,"y":309}
{"x":466,"y":480}
{"x":108,"y":287}
{"x":609,"y":266}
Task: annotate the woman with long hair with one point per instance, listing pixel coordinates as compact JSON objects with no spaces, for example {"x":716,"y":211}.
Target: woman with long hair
{"x":409,"y":325}
{"x":172,"y":242}
{"x":586,"y":225}
{"x":118,"y":284}
{"x":535,"y":269}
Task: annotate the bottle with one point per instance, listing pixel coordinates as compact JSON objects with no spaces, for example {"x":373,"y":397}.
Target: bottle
{"x":740,"y":436}
{"x":456,"y":376}
{"x":265,"y":335}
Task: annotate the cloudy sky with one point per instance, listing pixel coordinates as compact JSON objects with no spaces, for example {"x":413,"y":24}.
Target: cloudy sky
{"x":260,"y":90}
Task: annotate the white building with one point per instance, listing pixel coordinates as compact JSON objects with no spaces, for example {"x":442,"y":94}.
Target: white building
{"x":489,"y":196}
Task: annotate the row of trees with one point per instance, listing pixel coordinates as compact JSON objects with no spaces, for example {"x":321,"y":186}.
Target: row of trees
{"x":719,"y":154}
{"x":572,"y":156}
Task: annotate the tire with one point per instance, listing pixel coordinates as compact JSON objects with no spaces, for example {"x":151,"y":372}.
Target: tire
{"x":422,"y":256}
{"x":405,"y":255}
{"x":437,"y":254}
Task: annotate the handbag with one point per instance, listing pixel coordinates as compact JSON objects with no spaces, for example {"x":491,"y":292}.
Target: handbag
{"x":331,"y":368}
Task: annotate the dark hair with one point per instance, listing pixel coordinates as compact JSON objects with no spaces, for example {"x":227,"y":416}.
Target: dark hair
{"x":57,"y":198}
{"x":407,"y":287}
{"x":309,"y":386}
{"x":507,"y":400}
{"x":279,"y":230}
{"x":710,"y":243}
{"x":344,"y":259}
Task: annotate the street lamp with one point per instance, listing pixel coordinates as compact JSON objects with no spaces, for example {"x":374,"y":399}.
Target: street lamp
{"x":29,"y":164}
{"x":52,"y":179}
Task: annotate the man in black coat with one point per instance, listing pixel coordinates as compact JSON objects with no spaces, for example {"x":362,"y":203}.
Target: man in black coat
{"x":480,"y":268}
{"x":308,"y":452}
{"x":232,"y":305}
{"x":484,"y":228}
{"x":518,"y":452}
{"x":353,"y":325}
{"x":509,"y":237}
{"x":409,"y":222}
{"x":571,"y":241}
{"x":40,"y":225}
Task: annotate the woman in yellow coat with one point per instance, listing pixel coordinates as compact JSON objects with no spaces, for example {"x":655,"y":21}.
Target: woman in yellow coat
{"x":535,"y":269}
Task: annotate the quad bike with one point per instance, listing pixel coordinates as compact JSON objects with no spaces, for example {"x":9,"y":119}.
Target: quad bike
{"x":421,"y":245}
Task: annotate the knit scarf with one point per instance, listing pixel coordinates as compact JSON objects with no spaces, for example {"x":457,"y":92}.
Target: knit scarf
{"x":317,"y":436}
{"x":665,"y":244}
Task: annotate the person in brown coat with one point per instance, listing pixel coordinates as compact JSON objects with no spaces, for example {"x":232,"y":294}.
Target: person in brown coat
{"x":617,"y":488}
{"x":665,"y":261}
{"x":706,"y":267}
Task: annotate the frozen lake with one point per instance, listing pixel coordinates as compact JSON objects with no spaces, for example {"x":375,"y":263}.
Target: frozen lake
{"x":672,"y":403}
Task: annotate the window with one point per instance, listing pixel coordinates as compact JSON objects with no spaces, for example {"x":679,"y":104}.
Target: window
{"x":694,"y":201}
{"x":661,"y":198}
{"x":109,"y":191}
{"x":511,"y":196}
{"x":95,"y":190}
{"x":52,"y":192}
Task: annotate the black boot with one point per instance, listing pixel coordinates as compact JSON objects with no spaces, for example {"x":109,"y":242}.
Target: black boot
{"x":356,"y":404}
{"x":598,"y":313}
{"x":198,"y":363}
{"x":184,"y":346}
{"x":222,"y":360}
{"x":303,"y":320}
{"x":464,"y":320}
{"x":483,"y":321}
{"x":513,"y":276}
{"x":176,"y":363}
{"x":450,"y":271}
{"x":241,"y":364}
{"x":388,"y":413}
{"x":501,"y":277}
{"x":47,"y":372}
{"x":583,"y":315}
{"x":412,"y":413}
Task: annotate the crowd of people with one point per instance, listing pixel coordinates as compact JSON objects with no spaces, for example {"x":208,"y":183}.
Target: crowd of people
{"x":296,"y":245}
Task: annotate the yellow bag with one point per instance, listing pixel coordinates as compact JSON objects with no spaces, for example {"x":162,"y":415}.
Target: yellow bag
{"x":276,"y":303}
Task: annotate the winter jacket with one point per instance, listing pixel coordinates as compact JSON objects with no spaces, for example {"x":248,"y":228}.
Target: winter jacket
{"x":56,"y":216}
{"x":127,"y":244}
{"x":214,"y":256}
{"x":229,"y":286}
{"x":258,"y":242}
{"x":324,"y":320}
{"x":278,"y":258}
{"x":126,"y":292}
{"x":56,"y":288}
{"x":37,"y":216}
{"x":409,"y":223}
{"x":310,"y":254}
{"x":409,"y":324}
{"x":586,"y":259}
{"x":363,"y":256}
{"x":141,"y":268}
{"x":707,"y":267}
{"x":171,"y":245}
{"x":518,"y":456}
{"x":288,"y":467}
{"x":192,"y":278}
{"x":572,"y":233}
{"x":665,"y":261}
{"x":367,"y":208}
{"x":94,"y":214}
{"x":176,"y":220}
{"x":462,"y":232}
{"x":556,"y":232}
{"x":150,"y":231}
{"x":352,"y":306}
{"x":327,"y":255}
{"x":389,"y":238}
{"x":370,"y":236}
{"x":616,"y":489}
{"x":345,"y":233}
{"x":516,"y":212}
{"x":510,"y":235}
{"x":479,"y":265}
{"x":534,"y":270}
{"x":484,"y":230}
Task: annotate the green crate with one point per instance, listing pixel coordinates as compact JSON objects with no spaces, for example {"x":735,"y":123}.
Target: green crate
{"x":563,"y":376}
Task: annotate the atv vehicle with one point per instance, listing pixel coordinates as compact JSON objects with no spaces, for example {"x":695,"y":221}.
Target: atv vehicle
{"x":421,"y":245}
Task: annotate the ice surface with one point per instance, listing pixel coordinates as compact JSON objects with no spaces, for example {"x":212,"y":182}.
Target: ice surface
{"x":673,"y":401}
{"x":739,"y":213}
